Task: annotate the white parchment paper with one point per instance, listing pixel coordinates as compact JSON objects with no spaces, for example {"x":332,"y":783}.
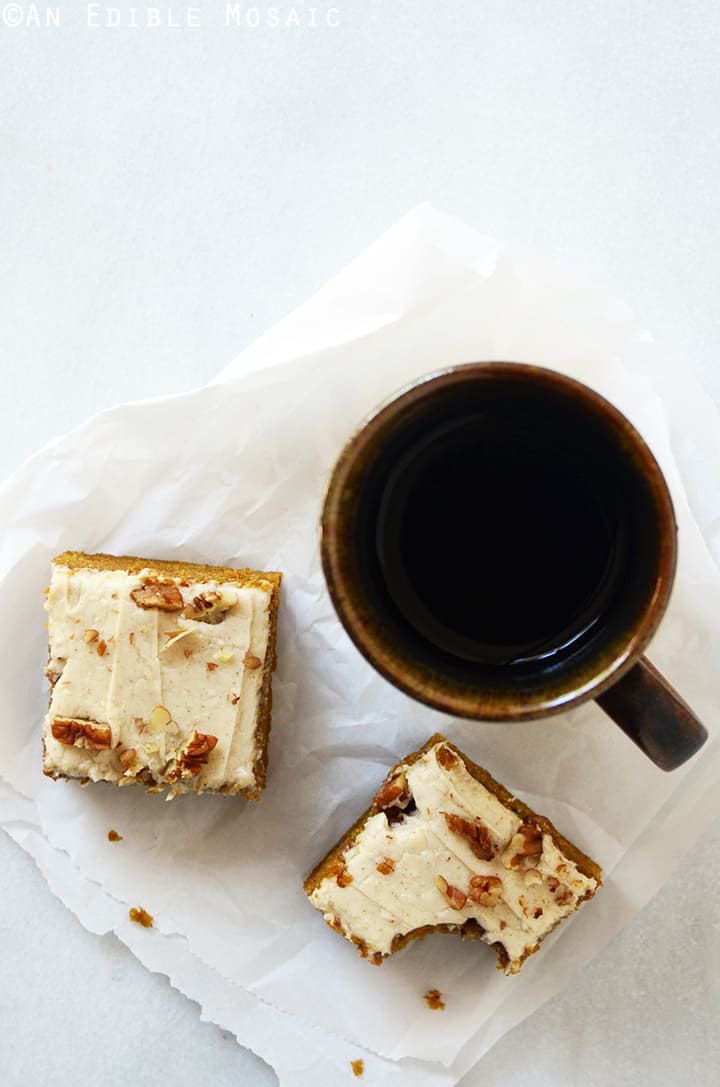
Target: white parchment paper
{"x":234,"y":473}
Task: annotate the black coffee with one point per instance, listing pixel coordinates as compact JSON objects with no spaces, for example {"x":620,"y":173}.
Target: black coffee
{"x":491,"y":546}
{"x":503,"y":530}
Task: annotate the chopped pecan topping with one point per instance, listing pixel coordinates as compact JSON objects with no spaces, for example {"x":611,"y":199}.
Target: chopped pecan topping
{"x":113,"y":836}
{"x":210,"y":607}
{"x":343,"y":878}
{"x":193,"y":755}
{"x":101,"y":648}
{"x":357,"y":1066}
{"x":393,"y":793}
{"x":386,"y":866}
{"x":454,"y":895}
{"x":538,"y":912}
{"x":526,"y":842}
{"x":75,"y":733}
{"x":158,"y":594}
{"x":90,"y":636}
{"x":211,"y":666}
{"x":251,"y":662}
{"x":485,"y":890}
{"x":532,"y":839}
{"x":476,"y":834}
{"x":433,"y":999}
{"x":141,"y":917}
{"x":446,"y":757}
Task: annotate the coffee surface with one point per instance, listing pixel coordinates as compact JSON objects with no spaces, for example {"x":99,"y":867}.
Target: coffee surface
{"x":496,"y":544}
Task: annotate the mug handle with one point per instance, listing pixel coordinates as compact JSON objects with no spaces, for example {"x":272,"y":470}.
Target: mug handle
{"x":654,"y":716}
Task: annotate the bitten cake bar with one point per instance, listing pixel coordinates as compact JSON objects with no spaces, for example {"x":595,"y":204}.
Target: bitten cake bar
{"x":160,"y":674}
{"x":445,"y":848}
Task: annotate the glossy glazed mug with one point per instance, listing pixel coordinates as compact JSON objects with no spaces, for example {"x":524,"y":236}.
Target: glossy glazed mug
{"x":500,"y":543}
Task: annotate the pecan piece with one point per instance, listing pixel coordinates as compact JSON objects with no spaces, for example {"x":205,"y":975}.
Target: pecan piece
{"x":485,"y":890}
{"x":193,"y":755}
{"x":141,"y":917}
{"x":446,"y":757}
{"x":158,"y":594}
{"x":532,"y":844}
{"x":393,"y":793}
{"x":434,"y":1001}
{"x":210,"y":607}
{"x":476,"y":834}
{"x":456,"y":898}
{"x":75,"y":733}
{"x":386,"y":866}
{"x":526,"y":842}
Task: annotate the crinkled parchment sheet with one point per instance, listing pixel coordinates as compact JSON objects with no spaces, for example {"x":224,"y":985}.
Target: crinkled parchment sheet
{"x":234,"y":472}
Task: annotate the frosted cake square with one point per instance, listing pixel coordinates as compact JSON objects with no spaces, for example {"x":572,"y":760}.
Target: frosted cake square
{"x":160,"y":674}
{"x":446,"y":848}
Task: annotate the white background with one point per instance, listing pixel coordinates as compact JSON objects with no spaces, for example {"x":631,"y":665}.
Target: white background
{"x":168,"y":193}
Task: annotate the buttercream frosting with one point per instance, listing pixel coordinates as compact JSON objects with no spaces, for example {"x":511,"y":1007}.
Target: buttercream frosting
{"x":116,"y":665}
{"x":421,"y":868}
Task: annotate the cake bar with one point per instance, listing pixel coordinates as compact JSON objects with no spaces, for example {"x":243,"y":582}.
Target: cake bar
{"x":446,"y":848}
{"x":160,"y":674}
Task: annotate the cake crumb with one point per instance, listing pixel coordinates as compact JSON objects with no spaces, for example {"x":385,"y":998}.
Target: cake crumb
{"x":433,"y":999}
{"x":113,"y":836}
{"x":358,"y":1067}
{"x":141,"y":916}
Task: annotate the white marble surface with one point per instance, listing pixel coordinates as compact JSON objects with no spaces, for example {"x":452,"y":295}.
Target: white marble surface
{"x":168,"y":193}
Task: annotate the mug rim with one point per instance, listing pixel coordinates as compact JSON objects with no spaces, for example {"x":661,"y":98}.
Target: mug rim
{"x":434,"y":689}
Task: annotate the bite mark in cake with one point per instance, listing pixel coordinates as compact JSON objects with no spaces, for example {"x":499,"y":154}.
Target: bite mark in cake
{"x":444,"y":847}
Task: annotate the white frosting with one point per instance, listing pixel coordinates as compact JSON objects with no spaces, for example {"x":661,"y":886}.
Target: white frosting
{"x":142,"y":669}
{"x":376,"y":907}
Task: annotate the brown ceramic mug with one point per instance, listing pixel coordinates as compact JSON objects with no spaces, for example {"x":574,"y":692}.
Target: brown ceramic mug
{"x":499,"y":542}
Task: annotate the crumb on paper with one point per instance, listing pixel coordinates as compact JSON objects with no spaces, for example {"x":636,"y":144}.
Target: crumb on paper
{"x":113,"y":836}
{"x":357,"y":1066}
{"x":141,"y":917}
{"x":433,"y":999}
